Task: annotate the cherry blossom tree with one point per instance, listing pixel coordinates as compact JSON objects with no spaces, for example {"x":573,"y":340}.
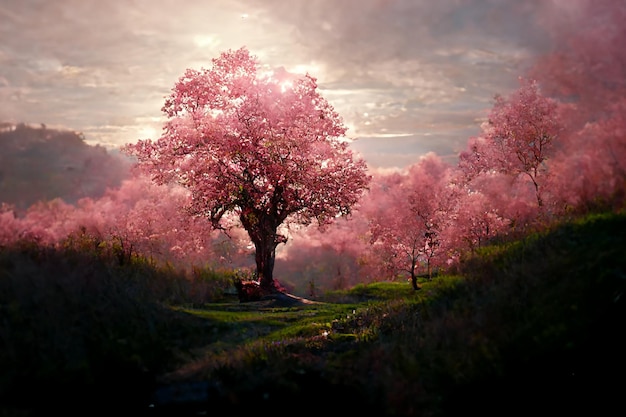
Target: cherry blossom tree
{"x":586,"y":68}
{"x":143,"y":218}
{"x":476,"y":220}
{"x":262,"y":145}
{"x":47,"y":221}
{"x":10,"y":227}
{"x":315,"y":260}
{"x":408,"y":214}
{"x":138,"y":218}
{"x":432,"y":200}
{"x":394,"y":231}
{"x":587,"y":62}
{"x":518,"y":138}
{"x":590,"y":170}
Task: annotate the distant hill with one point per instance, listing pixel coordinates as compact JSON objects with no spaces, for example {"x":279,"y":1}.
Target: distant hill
{"x":39,"y":164}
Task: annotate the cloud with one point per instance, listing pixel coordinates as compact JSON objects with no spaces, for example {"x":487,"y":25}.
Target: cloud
{"x":412,"y":67}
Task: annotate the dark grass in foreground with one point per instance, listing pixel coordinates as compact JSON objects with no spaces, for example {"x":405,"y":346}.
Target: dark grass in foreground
{"x":531,"y":327}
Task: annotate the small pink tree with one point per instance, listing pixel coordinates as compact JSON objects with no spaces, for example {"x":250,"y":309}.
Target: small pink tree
{"x":432,"y":201}
{"x":264,"y":146}
{"x":408,"y":214}
{"x":395,"y":241}
{"x":518,"y":139}
{"x":477,"y":220}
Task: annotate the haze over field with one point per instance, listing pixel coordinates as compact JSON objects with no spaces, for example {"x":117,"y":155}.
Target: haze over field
{"x":408,"y":77}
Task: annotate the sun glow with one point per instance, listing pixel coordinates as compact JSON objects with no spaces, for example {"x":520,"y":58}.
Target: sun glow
{"x":147,"y":132}
{"x":285,"y":85}
{"x":206,"y":41}
{"x":311,"y":69}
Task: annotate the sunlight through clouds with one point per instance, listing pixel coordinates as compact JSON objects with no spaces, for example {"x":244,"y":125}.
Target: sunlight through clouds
{"x":384,"y":66}
{"x":204,"y":41}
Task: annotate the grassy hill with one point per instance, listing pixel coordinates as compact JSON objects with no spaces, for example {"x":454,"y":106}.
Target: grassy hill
{"x":533,"y":326}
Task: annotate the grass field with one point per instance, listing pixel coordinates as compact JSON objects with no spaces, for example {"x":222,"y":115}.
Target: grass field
{"x":531,"y":327}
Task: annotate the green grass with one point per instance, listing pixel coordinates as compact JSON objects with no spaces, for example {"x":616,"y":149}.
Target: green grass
{"x":534,"y":324}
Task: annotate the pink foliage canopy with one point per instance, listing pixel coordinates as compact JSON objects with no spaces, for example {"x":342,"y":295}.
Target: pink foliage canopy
{"x":406,"y":229}
{"x":518,"y":138}
{"x":266,"y":147}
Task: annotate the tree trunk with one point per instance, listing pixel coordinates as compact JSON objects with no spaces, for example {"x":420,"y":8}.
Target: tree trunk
{"x":264,"y":256}
{"x":414,"y":283}
{"x":533,"y":178}
{"x":262,"y":231}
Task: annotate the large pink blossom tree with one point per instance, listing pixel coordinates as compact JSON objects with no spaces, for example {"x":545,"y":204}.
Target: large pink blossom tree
{"x":261,"y":146}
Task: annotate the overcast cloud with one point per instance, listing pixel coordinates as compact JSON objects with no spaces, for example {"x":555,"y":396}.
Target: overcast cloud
{"x":407,"y":76}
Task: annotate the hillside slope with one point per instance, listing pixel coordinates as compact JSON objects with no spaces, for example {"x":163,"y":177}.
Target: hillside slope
{"x":38,"y":163}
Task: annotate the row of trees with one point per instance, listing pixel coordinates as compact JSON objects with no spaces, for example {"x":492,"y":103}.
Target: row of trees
{"x":555,"y":147}
{"x":524,"y":171}
{"x":510,"y":178}
{"x":264,"y":152}
{"x":138,"y":218}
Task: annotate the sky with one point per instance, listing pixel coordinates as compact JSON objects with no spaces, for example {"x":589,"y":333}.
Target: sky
{"x":408,"y":77}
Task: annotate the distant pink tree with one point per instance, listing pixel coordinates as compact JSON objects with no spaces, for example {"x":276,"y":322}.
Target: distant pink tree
{"x":476,"y":220}
{"x":140,"y":218}
{"x":502,"y":196}
{"x":586,"y":68}
{"x":587,"y":62}
{"x":518,"y":138}
{"x":318,"y":260}
{"x":149,"y":220}
{"x":590,"y":170}
{"x":10,"y":227}
{"x":408,"y":213}
{"x":264,"y":146}
{"x":432,"y":199}
{"x":47,"y":222}
{"x":394,"y":234}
